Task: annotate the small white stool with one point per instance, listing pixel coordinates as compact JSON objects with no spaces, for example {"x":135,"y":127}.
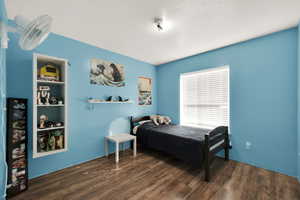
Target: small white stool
{"x":119,"y":138}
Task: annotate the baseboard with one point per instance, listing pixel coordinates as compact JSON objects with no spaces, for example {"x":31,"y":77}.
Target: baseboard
{"x":74,"y":164}
{"x":67,"y":166}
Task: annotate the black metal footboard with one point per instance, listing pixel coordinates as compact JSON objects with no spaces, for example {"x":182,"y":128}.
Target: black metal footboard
{"x":215,"y":141}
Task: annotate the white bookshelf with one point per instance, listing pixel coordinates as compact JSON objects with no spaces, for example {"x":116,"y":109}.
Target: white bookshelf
{"x":55,"y":112}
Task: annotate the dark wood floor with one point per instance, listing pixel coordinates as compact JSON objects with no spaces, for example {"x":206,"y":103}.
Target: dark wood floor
{"x":159,"y":177}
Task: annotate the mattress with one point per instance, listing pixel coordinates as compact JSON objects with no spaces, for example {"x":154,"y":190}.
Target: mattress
{"x":182,"y":142}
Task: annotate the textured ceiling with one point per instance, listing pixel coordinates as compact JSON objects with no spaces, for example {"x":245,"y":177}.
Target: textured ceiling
{"x":195,"y":26}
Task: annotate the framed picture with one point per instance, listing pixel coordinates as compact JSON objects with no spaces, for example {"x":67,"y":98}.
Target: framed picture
{"x":145,"y":91}
{"x":107,"y":73}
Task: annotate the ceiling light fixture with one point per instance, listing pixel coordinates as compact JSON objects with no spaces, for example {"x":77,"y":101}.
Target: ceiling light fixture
{"x":159,"y":24}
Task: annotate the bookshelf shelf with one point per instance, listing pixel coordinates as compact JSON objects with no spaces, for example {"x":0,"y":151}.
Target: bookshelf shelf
{"x":49,"y":129}
{"x":51,"y":82}
{"x":56,"y":105}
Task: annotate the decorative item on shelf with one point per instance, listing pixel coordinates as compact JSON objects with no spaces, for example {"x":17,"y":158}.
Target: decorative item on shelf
{"x":120,"y":98}
{"x":43,"y":119}
{"x":43,"y":95}
{"x":110,"y":98}
{"x":59,"y":138}
{"x":59,"y":124}
{"x":60,"y":142}
{"x":42,"y":142}
{"x":18,"y":135}
{"x":50,"y":124}
{"x":53,"y":101}
{"x":49,"y":72}
{"x":51,"y":142}
{"x":19,"y":124}
{"x":18,"y":105}
{"x":60,"y":101}
{"x":19,"y":115}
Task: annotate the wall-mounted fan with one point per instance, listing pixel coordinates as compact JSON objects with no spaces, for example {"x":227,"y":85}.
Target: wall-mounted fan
{"x":32,"y":33}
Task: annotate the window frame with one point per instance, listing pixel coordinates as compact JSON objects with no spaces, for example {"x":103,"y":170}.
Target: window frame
{"x":205,"y":70}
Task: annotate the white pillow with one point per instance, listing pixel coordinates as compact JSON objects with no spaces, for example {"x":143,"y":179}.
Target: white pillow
{"x":143,"y":122}
{"x":167,"y":120}
{"x":154,"y":118}
{"x":134,"y":130}
{"x":160,"y":119}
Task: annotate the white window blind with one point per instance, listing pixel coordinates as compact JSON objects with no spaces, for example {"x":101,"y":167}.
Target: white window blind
{"x":204,"y":98}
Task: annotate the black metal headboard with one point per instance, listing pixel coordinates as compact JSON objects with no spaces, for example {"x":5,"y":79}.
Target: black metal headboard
{"x":135,"y":120}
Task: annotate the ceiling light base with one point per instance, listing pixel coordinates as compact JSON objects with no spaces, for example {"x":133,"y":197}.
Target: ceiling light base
{"x":159,"y":24}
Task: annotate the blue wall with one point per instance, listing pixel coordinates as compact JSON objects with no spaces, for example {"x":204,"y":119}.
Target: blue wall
{"x":87,"y":128}
{"x":2,"y":105}
{"x":263,"y":97}
{"x":298,"y":152}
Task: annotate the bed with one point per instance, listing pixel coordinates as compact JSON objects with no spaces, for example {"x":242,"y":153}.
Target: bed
{"x":196,"y":146}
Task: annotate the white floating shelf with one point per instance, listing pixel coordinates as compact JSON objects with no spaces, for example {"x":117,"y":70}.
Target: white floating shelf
{"x":109,"y":102}
{"x":51,"y":82}
{"x":50,"y":105}
{"x":49,"y":129}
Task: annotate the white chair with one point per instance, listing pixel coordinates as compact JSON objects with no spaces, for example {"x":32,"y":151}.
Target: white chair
{"x":119,"y":131}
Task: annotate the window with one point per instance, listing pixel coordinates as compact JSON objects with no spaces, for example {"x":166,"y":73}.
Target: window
{"x":204,"y":98}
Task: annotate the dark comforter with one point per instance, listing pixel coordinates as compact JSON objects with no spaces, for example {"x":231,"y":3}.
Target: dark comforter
{"x":182,"y":142}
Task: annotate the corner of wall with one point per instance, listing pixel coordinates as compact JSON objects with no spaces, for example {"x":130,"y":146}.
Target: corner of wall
{"x":3,"y":17}
{"x":298,"y":105}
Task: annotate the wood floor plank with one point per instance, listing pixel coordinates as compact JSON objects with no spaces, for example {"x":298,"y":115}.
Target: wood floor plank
{"x":155,"y":176}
